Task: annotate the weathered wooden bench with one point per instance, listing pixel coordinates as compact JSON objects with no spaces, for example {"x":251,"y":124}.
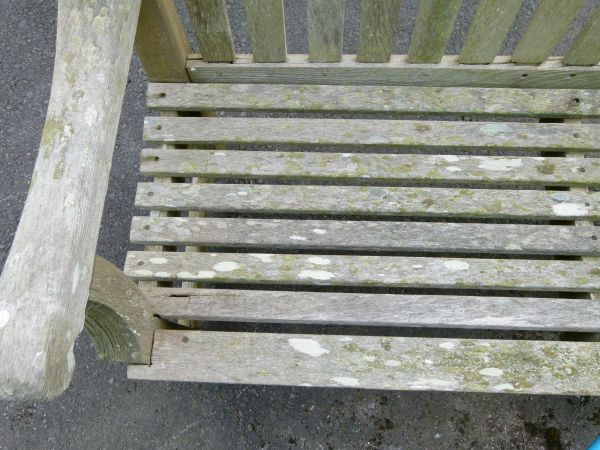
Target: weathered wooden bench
{"x":320,"y":219}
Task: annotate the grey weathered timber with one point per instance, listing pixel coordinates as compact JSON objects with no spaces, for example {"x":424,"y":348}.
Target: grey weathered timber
{"x":550,"y":75}
{"x":211,"y":26}
{"x":371,"y":168}
{"x":160,"y":41}
{"x":370,"y":362}
{"x":435,"y":21}
{"x":353,"y":270}
{"x":547,"y":26}
{"x":432,"y":311}
{"x":266,"y":26}
{"x":378,"y":25}
{"x":46,"y":278}
{"x":585,"y":50}
{"x":374,"y":99}
{"x":325,"y":30}
{"x":365,"y":235}
{"x":118,"y":316}
{"x":369,"y":132}
{"x":488,"y":30}
{"x":369,"y":200}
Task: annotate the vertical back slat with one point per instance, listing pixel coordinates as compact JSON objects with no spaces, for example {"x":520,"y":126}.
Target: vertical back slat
{"x":211,"y":25}
{"x":547,"y":26}
{"x":266,"y":25}
{"x":435,"y":21}
{"x":490,"y":25}
{"x":585,"y":50}
{"x":325,"y":30}
{"x":378,"y":24}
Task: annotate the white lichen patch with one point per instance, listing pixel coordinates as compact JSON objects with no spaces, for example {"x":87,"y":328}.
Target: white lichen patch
{"x":308,"y":346}
{"x":491,"y":372}
{"x":206,"y":274}
{"x":75,"y":279}
{"x":455,"y":265}
{"x":163,"y":274}
{"x":346,"y":381}
{"x":346,"y":155}
{"x":144,"y":273}
{"x":450,"y":158}
{"x":570,"y":209}
{"x":264,"y":257}
{"x":501,"y":164}
{"x":453,"y":169}
{"x":447,"y":345}
{"x":315,"y":275}
{"x":369,"y":358}
{"x":226,"y":266}
{"x":392,"y":363}
{"x":159,"y":261}
{"x":4,"y":317}
{"x":494,"y":128}
{"x":242,"y":193}
{"x":504,"y":387}
{"x":319,"y":261}
{"x":432,"y":383}
{"x":417,"y":266}
{"x":295,"y":237}
{"x":428,"y":362}
{"x":345,"y":339}
{"x":185,"y":275}
{"x":319,"y":231}
{"x":219,"y":153}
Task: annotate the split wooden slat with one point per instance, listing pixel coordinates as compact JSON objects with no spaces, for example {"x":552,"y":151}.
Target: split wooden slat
{"x":435,"y":21}
{"x":549,"y":23}
{"x":365,"y":235}
{"x":550,"y":75}
{"x":390,"y":310}
{"x":266,"y":25}
{"x":211,"y":26}
{"x":378,"y":25}
{"x":374,"y":99}
{"x":372,"y":271}
{"x":325,"y":30}
{"x":488,"y":30}
{"x":585,"y":50}
{"x":371,"y":168}
{"x":370,"y":362}
{"x":370,"y":132}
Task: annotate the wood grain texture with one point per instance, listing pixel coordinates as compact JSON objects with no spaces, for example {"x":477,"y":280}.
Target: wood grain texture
{"x":46,"y":278}
{"x":373,"y":99}
{"x":369,"y":362}
{"x":545,"y":29}
{"x":327,"y":308}
{"x":372,"y":132}
{"x":371,"y":168}
{"x":435,"y":21}
{"x":325,"y":30}
{"x":550,"y":75}
{"x":266,"y":25}
{"x":353,"y":270}
{"x":378,"y":25}
{"x":211,"y":26}
{"x":488,"y":30}
{"x":585,"y":50}
{"x":161,"y":43}
{"x":369,"y":200}
{"x":365,"y":235}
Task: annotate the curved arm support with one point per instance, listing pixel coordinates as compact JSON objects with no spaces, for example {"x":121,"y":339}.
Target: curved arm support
{"x":46,"y":279}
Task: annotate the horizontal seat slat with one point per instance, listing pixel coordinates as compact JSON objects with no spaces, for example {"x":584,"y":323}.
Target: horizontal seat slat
{"x":552,"y":74}
{"x":392,"y":133}
{"x":373,"y":99}
{"x":368,"y":168}
{"x":366,"y":235}
{"x":436,"y":311}
{"x":369,"y":200}
{"x":345,"y":270}
{"x":539,"y":367}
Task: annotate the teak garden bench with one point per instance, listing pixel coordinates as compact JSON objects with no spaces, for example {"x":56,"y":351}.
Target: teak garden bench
{"x":320,"y":219}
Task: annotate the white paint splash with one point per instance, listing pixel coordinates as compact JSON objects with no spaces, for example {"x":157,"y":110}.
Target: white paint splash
{"x":570,"y":209}
{"x":491,"y":372}
{"x":315,"y":275}
{"x":456,"y":265}
{"x":319,"y":231}
{"x":319,"y":261}
{"x":346,"y":381}
{"x":4,"y":316}
{"x":501,"y":164}
{"x":297,"y":238}
{"x":264,"y":257}
{"x":206,"y":274}
{"x":308,"y":346}
{"x":226,"y":266}
{"x":158,"y":261}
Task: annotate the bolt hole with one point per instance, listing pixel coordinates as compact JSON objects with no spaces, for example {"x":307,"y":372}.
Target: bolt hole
{"x":581,"y":169}
{"x":150,"y":194}
{"x":146,"y":227}
{"x":159,"y":127}
{"x":185,"y":339}
{"x":587,"y":204}
{"x":524,"y":75}
{"x":162,"y":95}
{"x":140,"y":263}
{"x":594,"y":238}
{"x":576,"y":135}
{"x":576,"y":100}
{"x":572,"y":75}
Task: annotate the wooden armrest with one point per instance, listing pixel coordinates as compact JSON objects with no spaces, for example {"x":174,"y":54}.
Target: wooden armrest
{"x":46,"y":279}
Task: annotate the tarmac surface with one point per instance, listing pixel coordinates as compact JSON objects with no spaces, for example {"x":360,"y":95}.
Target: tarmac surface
{"x":104,"y":410}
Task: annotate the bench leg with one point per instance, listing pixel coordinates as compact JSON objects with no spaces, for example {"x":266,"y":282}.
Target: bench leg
{"x":117,"y":316}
